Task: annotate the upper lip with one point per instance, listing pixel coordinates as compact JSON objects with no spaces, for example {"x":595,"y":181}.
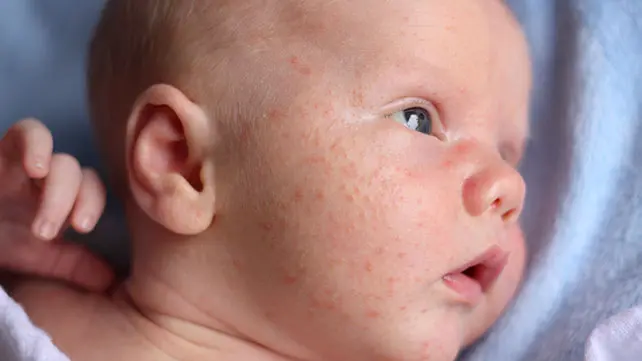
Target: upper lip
{"x":486,"y":268}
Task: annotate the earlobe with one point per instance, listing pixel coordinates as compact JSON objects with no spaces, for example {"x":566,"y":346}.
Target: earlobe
{"x":169,"y":166}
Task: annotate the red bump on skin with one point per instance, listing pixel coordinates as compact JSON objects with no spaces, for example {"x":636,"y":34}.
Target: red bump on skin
{"x":296,"y":65}
{"x":289,"y":279}
{"x":315,"y":159}
{"x":305,"y":70}
{"x":403,"y":308}
{"x":425,"y":348}
{"x":447,"y":164}
{"x":329,"y":305}
{"x":237,"y":264}
{"x":319,"y":195}
{"x":373,"y":314}
{"x":401,"y":255}
{"x":267,"y":226}
{"x":275,"y":114}
{"x":298,"y":195}
{"x":463,"y":147}
{"x":368,"y":267}
{"x":358,"y":97}
{"x":244,"y":136}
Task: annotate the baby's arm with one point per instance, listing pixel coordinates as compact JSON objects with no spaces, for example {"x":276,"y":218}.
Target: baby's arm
{"x":40,"y":194}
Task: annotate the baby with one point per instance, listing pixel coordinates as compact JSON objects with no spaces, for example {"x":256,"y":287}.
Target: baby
{"x":304,"y":180}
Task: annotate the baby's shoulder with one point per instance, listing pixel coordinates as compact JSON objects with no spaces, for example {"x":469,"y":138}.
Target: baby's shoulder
{"x":82,"y":325}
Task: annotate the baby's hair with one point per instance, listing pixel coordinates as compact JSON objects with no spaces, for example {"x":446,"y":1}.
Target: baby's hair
{"x":211,"y":50}
{"x":135,"y":45}
{"x":139,"y":43}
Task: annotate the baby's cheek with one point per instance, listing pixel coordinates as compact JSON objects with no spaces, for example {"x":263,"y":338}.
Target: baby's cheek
{"x":379,"y":230}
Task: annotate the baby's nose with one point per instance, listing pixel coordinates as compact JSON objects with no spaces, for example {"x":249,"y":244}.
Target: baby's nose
{"x":495,"y":187}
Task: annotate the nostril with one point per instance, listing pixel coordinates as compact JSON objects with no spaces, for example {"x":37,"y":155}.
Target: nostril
{"x":509,"y":216}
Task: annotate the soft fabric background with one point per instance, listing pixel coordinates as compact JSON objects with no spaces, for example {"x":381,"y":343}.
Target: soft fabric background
{"x":42,"y":74}
{"x":583,"y":168}
{"x":584,"y":175}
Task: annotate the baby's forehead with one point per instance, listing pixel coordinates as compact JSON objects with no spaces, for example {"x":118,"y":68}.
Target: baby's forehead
{"x":422,"y":47}
{"x":434,"y":49}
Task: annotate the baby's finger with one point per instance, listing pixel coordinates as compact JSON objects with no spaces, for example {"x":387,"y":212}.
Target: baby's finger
{"x":63,"y":261}
{"x":31,"y":142}
{"x":58,"y":196}
{"x":90,"y":202}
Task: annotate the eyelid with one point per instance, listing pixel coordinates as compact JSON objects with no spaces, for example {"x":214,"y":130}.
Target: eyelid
{"x":405,"y":103}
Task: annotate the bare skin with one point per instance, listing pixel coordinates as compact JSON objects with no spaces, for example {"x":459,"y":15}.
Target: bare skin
{"x":327,"y":229}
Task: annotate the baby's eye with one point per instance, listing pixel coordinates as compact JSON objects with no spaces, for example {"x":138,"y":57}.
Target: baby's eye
{"x":416,"y":118}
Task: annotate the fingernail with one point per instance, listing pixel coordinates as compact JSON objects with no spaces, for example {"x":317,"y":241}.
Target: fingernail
{"x":38,"y":163}
{"x":86,"y":223}
{"x":46,"y":230}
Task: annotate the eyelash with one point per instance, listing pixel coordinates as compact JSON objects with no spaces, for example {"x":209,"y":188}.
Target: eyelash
{"x":413,"y":103}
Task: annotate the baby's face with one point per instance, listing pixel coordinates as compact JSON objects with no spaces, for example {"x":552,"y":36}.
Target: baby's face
{"x":379,"y":173}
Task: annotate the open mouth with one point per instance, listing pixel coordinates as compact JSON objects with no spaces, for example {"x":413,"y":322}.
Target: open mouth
{"x":476,"y":277}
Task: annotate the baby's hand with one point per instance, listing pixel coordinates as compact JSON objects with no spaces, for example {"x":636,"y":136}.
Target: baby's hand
{"x":41,"y":193}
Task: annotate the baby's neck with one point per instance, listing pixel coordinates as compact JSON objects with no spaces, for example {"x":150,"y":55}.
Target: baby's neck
{"x":180,"y":330}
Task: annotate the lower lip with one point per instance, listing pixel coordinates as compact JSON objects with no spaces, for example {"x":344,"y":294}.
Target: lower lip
{"x":470,"y":290}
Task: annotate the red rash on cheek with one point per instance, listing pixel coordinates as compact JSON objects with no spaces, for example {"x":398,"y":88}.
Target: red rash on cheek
{"x":368,"y":266}
{"x":275,"y":115}
{"x":289,"y":279}
{"x":459,"y":152}
{"x":267,"y":226}
{"x":298,"y":195}
{"x":302,"y":69}
{"x":373,"y":314}
{"x":237,"y":264}
{"x":357,"y":97}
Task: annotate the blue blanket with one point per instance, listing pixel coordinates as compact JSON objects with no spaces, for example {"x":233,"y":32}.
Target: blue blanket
{"x":583,"y":169}
{"x":584,"y":175}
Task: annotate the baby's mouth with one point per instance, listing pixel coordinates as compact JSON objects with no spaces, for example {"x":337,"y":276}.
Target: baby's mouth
{"x":476,"y":277}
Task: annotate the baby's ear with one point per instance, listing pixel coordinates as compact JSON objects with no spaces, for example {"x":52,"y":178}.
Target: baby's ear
{"x":168,"y":159}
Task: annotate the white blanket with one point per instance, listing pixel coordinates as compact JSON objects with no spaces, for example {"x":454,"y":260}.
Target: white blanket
{"x":20,"y":340}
